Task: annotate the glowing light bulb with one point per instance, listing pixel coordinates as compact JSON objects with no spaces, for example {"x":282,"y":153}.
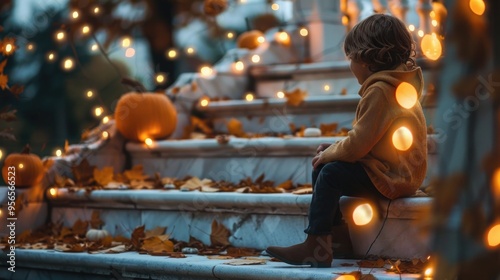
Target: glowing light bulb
{"x":363,"y":214}
{"x":249,"y":97}
{"x":255,"y":58}
{"x":493,"y":236}
{"x":275,"y":7}
{"x":238,"y":66}
{"x":431,"y":46}
{"x":326,"y":87}
{"x":303,"y":32}
{"x":75,"y":14}
{"x":230,"y":35}
{"x":434,"y":23}
{"x":345,"y":20}
{"x":283,"y":38}
{"x":204,"y":102}
{"x":105,"y":135}
{"x":402,"y":138}
{"x":105,"y":120}
{"x":411,"y":27}
{"x":428,"y":272}
{"x":51,"y":56}
{"x":495,"y":180}
{"x":90,"y":94}
{"x":60,"y":35}
{"x":68,"y":64}
{"x":97,"y":10}
{"x":420,"y":33}
{"x":85,"y":29}
{"x":190,"y":51}
{"x":172,"y":53}
{"x":130,"y":52}
{"x":432,"y":14}
{"x":477,"y":6}
{"x":406,"y":95}
{"x":160,"y":78}
{"x":53,"y":191}
{"x":9,"y":48}
{"x":261,"y":39}
{"x":126,"y":42}
{"x":280,"y":94}
{"x":21,"y":166}
{"x":206,"y":71}
{"x":1,"y":154}
{"x":30,"y":47}
{"x":98,"y":111}
{"x":94,"y":47}
{"x":58,"y":153}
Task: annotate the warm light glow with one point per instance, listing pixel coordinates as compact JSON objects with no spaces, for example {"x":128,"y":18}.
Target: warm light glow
{"x":51,"y":56}
{"x":1,"y":212}
{"x":493,"y":237}
{"x":304,"y":32}
{"x":60,"y":35}
{"x":406,"y":95}
{"x":85,"y":29}
{"x":243,"y":1}
{"x":30,"y":47}
{"x":345,"y":20}
{"x":204,"y":102}
{"x":148,"y":142}
{"x":275,"y":7}
{"x":21,"y":166}
{"x":249,"y":97}
{"x":432,"y":14}
{"x":363,"y":214}
{"x":206,"y":71}
{"x":105,"y":135}
{"x":105,"y":120}
{"x":238,"y":66}
{"x":172,"y":54}
{"x":420,"y":33}
{"x":495,"y":181}
{"x":190,"y":50}
{"x":1,"y":154}
{"x":346,"y":277}
{"x":402,"y":138}
{"x":98,"y":111}
{"x":411,"y":27}
{"x":8,"y":48}
{"x":434,"y":23}
{"x":326,"y":87}
{"x":68,"y":63}
{"x":283,"y":38}
{"x":230,"y":35}
{"x":431,"y":46}
{"x":90,"y":94}
{"x":126,"y":42}
{"x":428,"y":272}
{"x":53,"y":191}
{"x":130,"y":52}
{"x":75,"y":14}
{"x":280,"y":94}
{"x":94,"y":47}
{"x":160,"y":78}
{"x":58,"y":153}
{"x":261,"y":39}
{"x":255,"y":58}
{"x":477,"y":6}
{"x":97,"y":10}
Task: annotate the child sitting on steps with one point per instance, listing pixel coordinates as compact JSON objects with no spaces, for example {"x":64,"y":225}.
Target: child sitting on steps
{"x":367,"y":163}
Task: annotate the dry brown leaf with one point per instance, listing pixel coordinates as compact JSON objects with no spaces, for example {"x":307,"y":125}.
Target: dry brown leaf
{"x":156,"y":245}
{"x":296,"y":97}
{"x":137,"y":236}
{"x":4,"y":79}
{"x":95,"y":220}
{"x":241,"y":252}
{"x":287,"y":185}
{"x":214,"y":7}
{"x":83,"y":172}
{"x":155,"y":232}
{"x":220,"y":257}
{"x":104,"y":176}
{"x":113,"y":250}
{"x":303,"y":191}
{"x":200,"y":124}
{"x":141,"y":184}
{"x":246,"y":262}
{"x":80,"y":227}
{"x":136,"y":173}
{"x":176,"y":255}
{"x":195,"y":183}
{"x":2,"y":65}
{"x":371,"y":263}
{"x":70,"y":248}
{"x":121,"y":239}
{"x":328,"y":129}
{"x":219,"y":235}
{"x":235,"y":127}
{"x":116,"y":186}
{"x":16,"y":90}
{"x":8,"y":116}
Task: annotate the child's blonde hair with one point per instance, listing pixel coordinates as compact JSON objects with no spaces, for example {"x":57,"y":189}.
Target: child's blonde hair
{"x":382,"y":42}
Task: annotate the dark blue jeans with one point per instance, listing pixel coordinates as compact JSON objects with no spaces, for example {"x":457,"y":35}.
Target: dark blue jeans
{"x":331,"y":181}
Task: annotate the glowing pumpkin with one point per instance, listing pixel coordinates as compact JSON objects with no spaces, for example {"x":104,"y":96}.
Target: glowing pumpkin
{"x":139,"y":116}
{"x":23,"y":169}
{"x":250,"y":39}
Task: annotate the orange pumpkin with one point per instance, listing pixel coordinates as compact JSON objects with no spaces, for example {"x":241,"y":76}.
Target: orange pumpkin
{"x":250,"y":39}
{"x":24,"y":169}
{"x":139,"y":116}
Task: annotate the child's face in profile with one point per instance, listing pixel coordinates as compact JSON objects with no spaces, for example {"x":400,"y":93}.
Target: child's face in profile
{"x":360,"y":70}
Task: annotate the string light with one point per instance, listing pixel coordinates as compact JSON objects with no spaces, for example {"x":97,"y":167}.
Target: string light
{"x":434,"y":23}
{"x":204,"y":101}
{"x":51,"y":56}
{"x":60,"y":35}
{"x":58,"y":153}
{"x":406,"y":95}
{"x":303,"y":32}
{"x":326,"y":87}
{"x":53,"y":191}
{"x":345,"y":20}
{"x":1,"y":153}
{"x":105,"y":135}
{"x":493,"y":236}
{"x":9,"y":48}
{"x":160,"y":78}
{"x":431,"y":46}
{"x":206,"y":71}
{"x":97,"y":10}
{"x":126,"y":42}
{"x":68,"y":64}
{"x":230,"y":35}
{"x":105,"y":120}
{"x":130,"y":52}
{"x":98,"y":111}
{"x":283,"y":38}
{"x":280,"y":94}
{"x":75,"y":14}
{"x":477,"y":6}
{"x":411,"y":27}
{"x":85,"y":29}
{"x":363,"y":214}
{"x":238,"y":66}
{"x":249,"y":97}
{"x":148,"y":142}
{"x":428,"y":273}
{"x":275,"y":6}
{"x":190,"y":50}
{"x":172,"y":53}
{"x":261,"y":39}
{"x":420,"y":33}
{"x":90,"y":94}
{"x":30,"y":47}
{"x":255,"y":58}
{"x":21,"y":166}
{"x":402,"y":138}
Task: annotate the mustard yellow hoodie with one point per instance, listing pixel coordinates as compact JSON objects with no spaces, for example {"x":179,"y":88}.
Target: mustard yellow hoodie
{"x":394,"y":173}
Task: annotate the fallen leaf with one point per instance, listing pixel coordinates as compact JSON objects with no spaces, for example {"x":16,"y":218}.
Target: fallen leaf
{"x":371,"y":263}
{"x":328,"y":129}
{"x":195,"y":183}
{"x":104,"y":176}
{"x":285,"y":185}
{"x":95,"y":220}
{"x":83,"y":172}
{"x":219,"y":235}
{"x":246,"y":262}
{"x":176,"y":255}
{"x":4,"y":79}
{"x":155,"y":232}
{"x":220,"y":257}
{"x":113,"y":250}
{"x":70,"y":248}
{"x":136,"y":173}
{"x":115,"y":186}
{"x":296,"y":97}
{"x":2,"y":65}
{"x":200,"y":124}
{"x":80,"y":227}
{"x":303,"y":191}
{"x":137,"y":235}
{"x":235,"y":127}
{"x":8,"y":116}
{"x":155,"y":245}
{"x":241,"y":252}
{"x":141,"y":184}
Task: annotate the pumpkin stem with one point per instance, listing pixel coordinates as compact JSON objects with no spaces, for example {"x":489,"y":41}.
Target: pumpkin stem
{"x":134,"y":84}
{"x":26,"y":149}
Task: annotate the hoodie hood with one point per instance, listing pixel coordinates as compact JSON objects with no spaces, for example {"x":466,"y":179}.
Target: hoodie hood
{"x":394,"y":78}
